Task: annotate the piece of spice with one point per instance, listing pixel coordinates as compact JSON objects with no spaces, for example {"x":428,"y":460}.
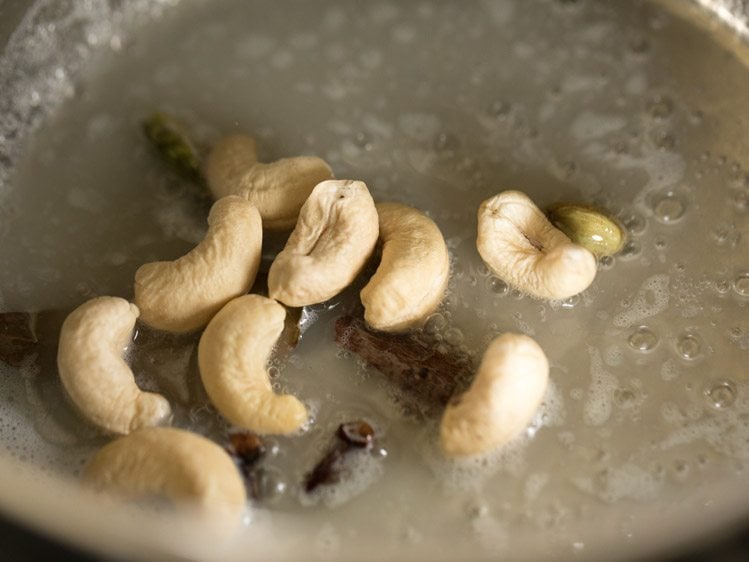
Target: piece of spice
{"x":23,"y":334}
{"x":426,"y":374}
{"x":350,"y":436}
{"x":247,"y":449}
{"x":174,"y":146}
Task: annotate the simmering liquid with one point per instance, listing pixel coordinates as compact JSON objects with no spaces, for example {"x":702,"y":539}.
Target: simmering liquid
{"x":439,"y":105}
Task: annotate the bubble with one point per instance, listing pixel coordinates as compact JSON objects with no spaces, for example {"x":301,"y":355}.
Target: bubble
{"x":660,"y":107}
{"x":273,"y":372}
{"x":571,"y":302}
{"x":643,"y":339}
{"x":669,"y":208}
{"x":268,"y":485}
{"x":363,"y":140}
{"x":435,"y":323}
{"x":624,"y":397}
{"x":721,"y":395}
{"x":722,"y":286}
{"x":741,"y":284}
{"x":606,"y":262}
{"x":689,"y":346}
{"x":635,"y":224}
{"x":516,"y":294}
{"x":630,"y":250}
{"x":454,"y":337}
{"x":498,"y":286}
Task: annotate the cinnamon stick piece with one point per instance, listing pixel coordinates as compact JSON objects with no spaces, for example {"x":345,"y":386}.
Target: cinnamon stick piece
{"x":427,"y":375}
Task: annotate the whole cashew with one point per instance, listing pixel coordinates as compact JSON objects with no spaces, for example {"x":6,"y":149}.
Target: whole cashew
{"x":232,"y":354}
{"x":523,"y":248}
{"x":412,"y":276}
{"x":502,"y":399}
{"x":333,"y":239}
{"x":183,"y":295}
{"x":177,"y":464}
{"x":278,"y":189}
{"x":94,"y":374}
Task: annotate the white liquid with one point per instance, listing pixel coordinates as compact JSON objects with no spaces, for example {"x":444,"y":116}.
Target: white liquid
{"x":565,"y":102}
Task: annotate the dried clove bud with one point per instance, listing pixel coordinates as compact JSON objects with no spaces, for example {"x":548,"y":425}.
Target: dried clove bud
{"x":327,"y":471}
{"x":349,"y":436}
{"x":426,"y":374}
{"x":247,"y":447}
{"x":357,"y":434}
{"x":23,"y":334}
{"x":17,"y":337}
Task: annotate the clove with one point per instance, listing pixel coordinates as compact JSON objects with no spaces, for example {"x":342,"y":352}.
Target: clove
{"x":350,"y":436}
{"x":247,"y":449}
{"x":23,"y":334}
{"x":425,"y":374}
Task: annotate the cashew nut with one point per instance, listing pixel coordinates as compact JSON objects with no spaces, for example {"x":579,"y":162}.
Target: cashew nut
{"x":523,"y":248}
{"x":177,"y":464}
{"x":412,"y":276}
{"x":94,"y":374}
{"x":333,"y":239}
{"x":278,"y":189}
{"x":232,"y":354}
{"x":502,"y":399}
{"x":183,"y":295}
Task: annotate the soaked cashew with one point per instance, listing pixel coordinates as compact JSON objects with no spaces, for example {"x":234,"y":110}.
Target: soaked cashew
{"x":501,"y":401}
{"x":183,"y":295}
{"x":94,"y":374}
{"x":278,"y":189}
{"x":176,"y":464}
{"x":412,"y":276}
{"x":333,"y":239}
{"x":232,"y":355}
{"x":523,"y":248}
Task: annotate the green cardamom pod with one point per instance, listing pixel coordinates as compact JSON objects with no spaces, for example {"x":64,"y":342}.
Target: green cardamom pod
{"x":589,"y":227}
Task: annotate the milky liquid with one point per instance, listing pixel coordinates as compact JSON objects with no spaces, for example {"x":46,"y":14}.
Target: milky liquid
{"x":439,"y":105}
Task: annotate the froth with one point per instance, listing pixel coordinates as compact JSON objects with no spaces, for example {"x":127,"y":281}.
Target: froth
{"x":361,"y":471}
{"x":651,"y":299}
{"x":40,"y":64}
{"x":598,"y":404}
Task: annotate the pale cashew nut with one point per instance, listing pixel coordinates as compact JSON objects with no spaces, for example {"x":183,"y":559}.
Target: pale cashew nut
{"x":519,"y":244}
{"x":179,"y":465}
{"x":278,"y":189}
{"x":94,"y":373}
{"x":232,"y":355}
{"x":502,"y":399}
{"x":183,"y":295}
{"x":333,"y":239}
{"x":413,"y":273}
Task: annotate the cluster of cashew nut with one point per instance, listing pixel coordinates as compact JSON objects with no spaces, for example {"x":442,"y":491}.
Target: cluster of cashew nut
{"x":337,"y":226}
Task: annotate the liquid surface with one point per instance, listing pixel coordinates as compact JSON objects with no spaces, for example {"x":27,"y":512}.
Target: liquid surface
{"x":440,"y":106}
